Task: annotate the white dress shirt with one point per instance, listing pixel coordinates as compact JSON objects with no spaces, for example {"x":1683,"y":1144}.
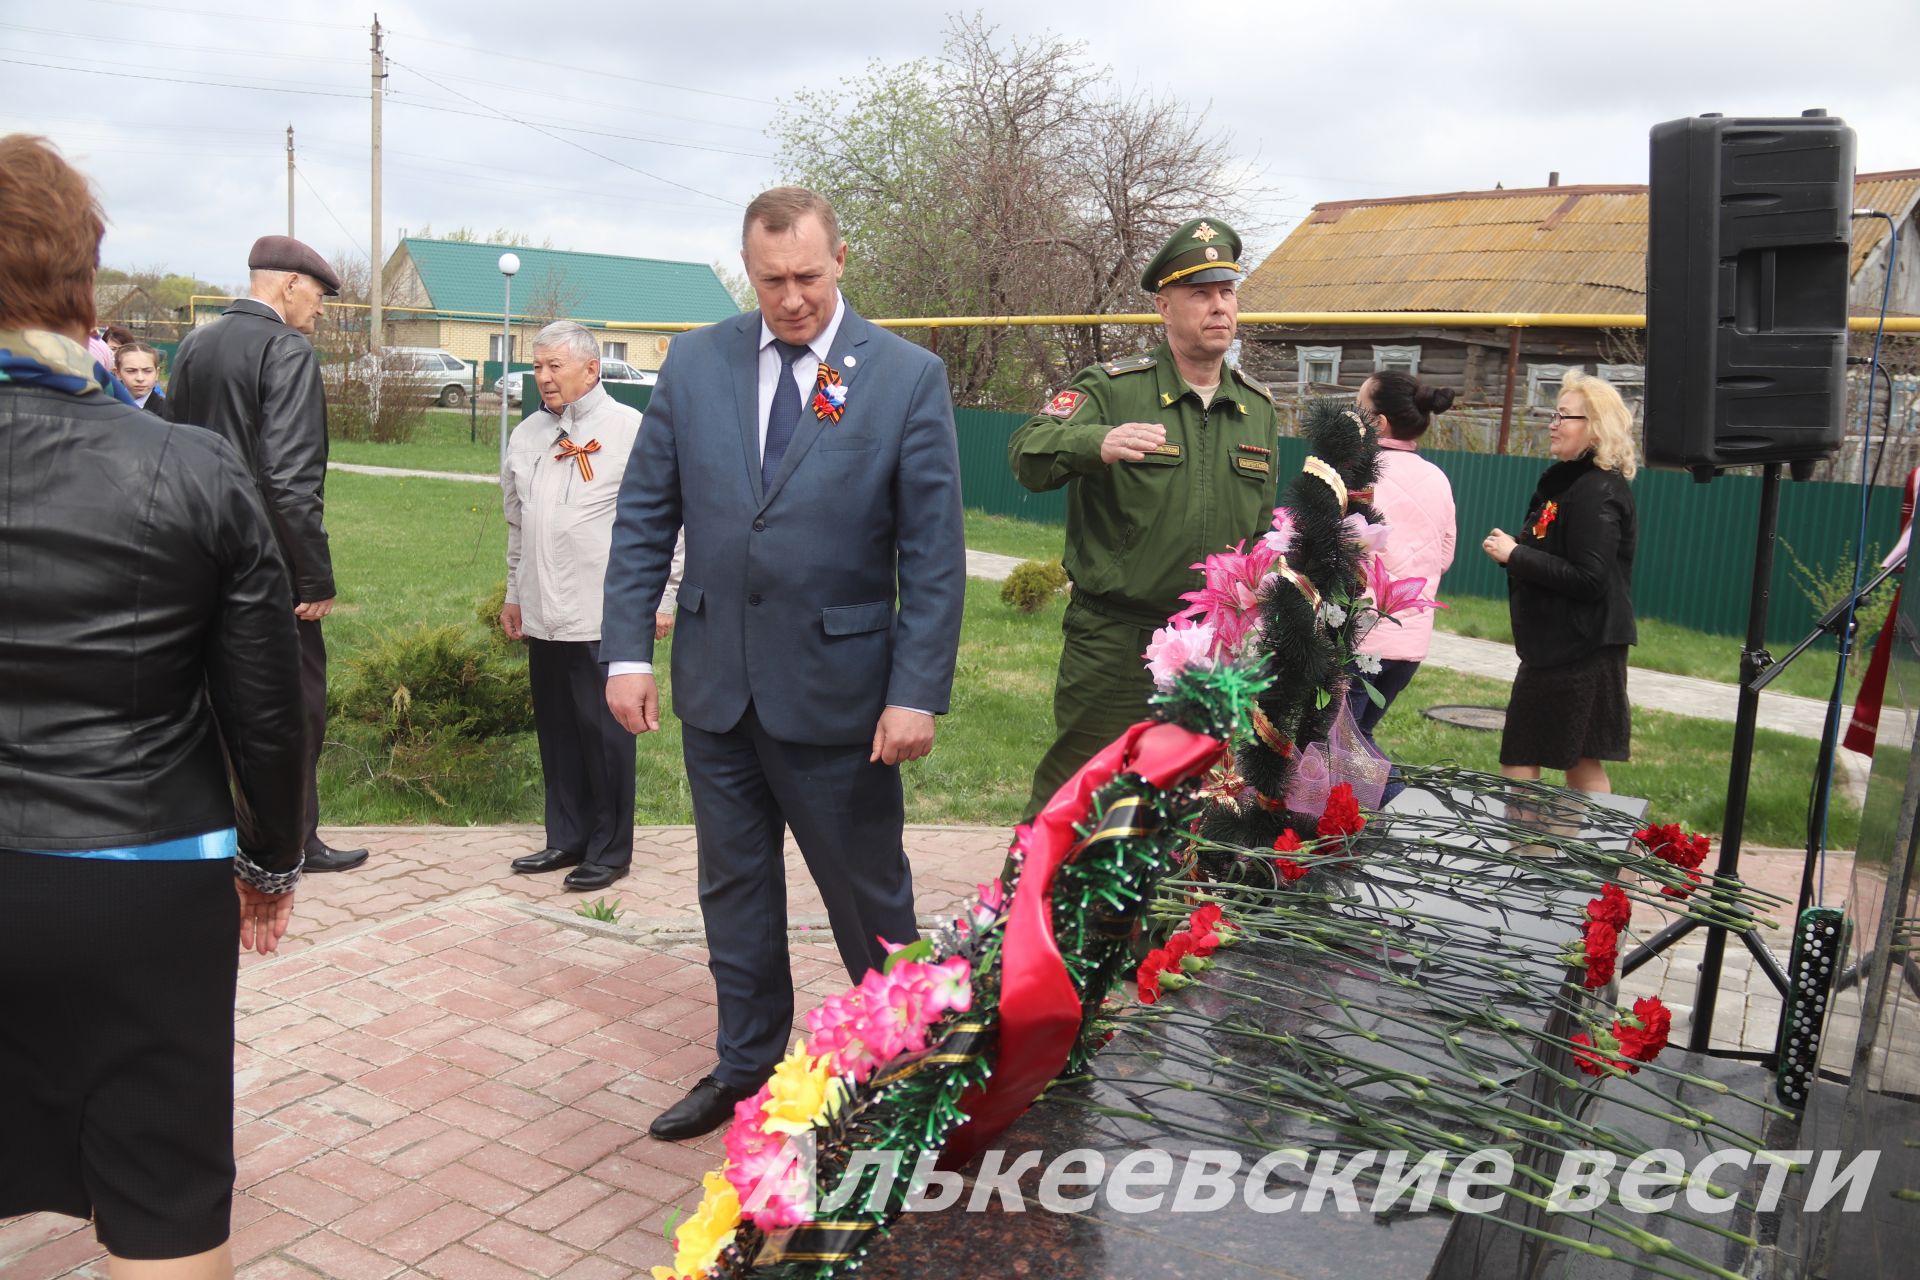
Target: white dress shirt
{"x":806,"y":367}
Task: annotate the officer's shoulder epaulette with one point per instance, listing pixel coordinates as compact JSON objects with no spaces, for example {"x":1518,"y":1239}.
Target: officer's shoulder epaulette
{"x":1256,"y":384}
{"x":1127,"y":364}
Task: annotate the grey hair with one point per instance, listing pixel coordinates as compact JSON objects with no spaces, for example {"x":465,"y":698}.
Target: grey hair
{"x":572,"y":335}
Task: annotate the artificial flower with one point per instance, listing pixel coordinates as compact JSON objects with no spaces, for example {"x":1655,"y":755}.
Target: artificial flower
{"x":1368,"y":664}
{"x":1548,"y":514}
{"x":1333,"y":615}
{"x":1393,"y":596}
{"x":1370,"y":537}
{"x":1177,"y":647}
{"x":1232,"y":581}
{"x":802,"y":1093}
{"x":698,"y":1242}
{"x":1280,"y":539}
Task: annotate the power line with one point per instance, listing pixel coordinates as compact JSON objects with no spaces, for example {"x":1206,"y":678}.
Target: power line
{"x":576,"y":69}
{"x":212,"y":84}
{"x":149,"y":65}
{"x":224,"y":15}
{"x":568,"y":141}
{"x":550,"y":96}
{"x":351,"y":240}
{"x":94,"y":38}
{"x":413,"y":100}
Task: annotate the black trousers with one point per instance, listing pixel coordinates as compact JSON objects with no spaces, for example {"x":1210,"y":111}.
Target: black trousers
{"x":846,"y":815}
{"x":586,"y":758}
{"x":1395,"y":675}
{"x":313,"y":716}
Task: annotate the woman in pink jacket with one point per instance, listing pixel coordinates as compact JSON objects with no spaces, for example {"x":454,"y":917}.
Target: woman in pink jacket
{"x":1417,"y":502}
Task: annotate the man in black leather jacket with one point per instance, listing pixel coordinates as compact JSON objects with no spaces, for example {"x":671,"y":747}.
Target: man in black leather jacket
{"x":253,"y":377}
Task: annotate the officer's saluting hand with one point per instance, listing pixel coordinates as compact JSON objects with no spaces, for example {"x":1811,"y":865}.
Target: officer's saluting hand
{"x":1166,"y":457}
{"x":1132,"y":441}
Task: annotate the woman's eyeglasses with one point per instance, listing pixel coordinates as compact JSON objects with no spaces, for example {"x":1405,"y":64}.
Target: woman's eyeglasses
{"x":1559,"y":417}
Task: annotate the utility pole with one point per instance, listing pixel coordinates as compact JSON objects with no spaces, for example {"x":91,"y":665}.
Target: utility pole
{"x":289,"y":181}
{"x":373,"y":275}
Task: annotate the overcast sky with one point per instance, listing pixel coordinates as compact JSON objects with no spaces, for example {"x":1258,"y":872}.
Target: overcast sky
{"x":178,"y":112}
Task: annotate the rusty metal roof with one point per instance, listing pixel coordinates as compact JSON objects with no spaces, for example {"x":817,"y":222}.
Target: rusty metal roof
{"x":1892,"y":192}
{"x":1566,"y":249}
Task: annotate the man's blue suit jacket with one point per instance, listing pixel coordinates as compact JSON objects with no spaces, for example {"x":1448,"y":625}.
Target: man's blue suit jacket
{"x":788,"y":597}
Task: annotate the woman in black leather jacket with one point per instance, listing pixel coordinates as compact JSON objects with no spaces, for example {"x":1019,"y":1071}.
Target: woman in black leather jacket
{"x":146,"y":648}
{"x":1570,"y":595}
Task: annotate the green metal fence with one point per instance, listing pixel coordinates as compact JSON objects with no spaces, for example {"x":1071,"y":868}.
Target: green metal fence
{"x":1695,"y":560}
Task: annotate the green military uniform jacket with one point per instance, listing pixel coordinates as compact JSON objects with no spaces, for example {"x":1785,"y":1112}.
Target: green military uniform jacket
{"x":1135,"y":528}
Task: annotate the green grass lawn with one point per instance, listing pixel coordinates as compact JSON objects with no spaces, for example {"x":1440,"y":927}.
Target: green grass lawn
{"x":1679,"y":764}
{"x":442,"y":444}
{"x":410,"y":551}
{"x":1666,"y":647}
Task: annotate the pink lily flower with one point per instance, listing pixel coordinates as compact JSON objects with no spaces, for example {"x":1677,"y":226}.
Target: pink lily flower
{"x":1371,"y":537}
{"x":1393,"y":596}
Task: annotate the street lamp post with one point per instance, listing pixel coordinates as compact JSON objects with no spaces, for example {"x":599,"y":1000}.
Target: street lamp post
{"x":509,"y":264}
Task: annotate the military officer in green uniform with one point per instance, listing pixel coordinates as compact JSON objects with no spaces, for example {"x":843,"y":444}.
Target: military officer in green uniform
{"x":1167,"y":457}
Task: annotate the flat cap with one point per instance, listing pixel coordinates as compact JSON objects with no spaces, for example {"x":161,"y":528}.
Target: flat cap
{"x":1200,"y":252}
{"x":284,"y":253}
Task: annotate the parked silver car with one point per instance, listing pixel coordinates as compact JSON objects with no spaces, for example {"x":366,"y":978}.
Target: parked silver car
{"x":610,"y":371}
{"x":440,"y":375}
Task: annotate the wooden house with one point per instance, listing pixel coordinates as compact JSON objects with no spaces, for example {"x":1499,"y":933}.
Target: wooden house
{"x":1558,"y":249}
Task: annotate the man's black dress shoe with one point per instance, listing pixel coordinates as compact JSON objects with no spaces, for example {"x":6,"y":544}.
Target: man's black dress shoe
{"x":593,"y":877}
{"x":547,"y":860}
{"x":335,"y":859}
{"x":708,"y":1106}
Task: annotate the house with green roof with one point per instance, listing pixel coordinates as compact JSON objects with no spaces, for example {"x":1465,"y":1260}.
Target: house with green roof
{"x":448,"y":294}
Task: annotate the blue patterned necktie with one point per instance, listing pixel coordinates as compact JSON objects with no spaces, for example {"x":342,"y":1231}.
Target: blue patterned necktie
{"x":783,"y":415}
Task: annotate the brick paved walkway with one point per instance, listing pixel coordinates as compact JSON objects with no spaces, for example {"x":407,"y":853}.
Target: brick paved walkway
{"x":446,"y":1073}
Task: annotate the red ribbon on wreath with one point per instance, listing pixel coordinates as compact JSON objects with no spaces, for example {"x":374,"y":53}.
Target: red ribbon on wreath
{"x":1040,"y":1012}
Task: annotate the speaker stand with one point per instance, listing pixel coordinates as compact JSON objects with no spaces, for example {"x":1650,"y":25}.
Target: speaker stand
{"x":1753,"y":659}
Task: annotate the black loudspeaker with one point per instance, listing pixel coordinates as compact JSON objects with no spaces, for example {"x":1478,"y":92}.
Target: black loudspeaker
{"x":1748,"y":234}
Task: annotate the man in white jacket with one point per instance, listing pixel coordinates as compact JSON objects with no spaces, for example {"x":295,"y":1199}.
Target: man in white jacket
{"x":559,"y":487}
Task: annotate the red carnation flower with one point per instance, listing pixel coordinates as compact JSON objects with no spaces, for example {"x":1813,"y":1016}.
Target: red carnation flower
{"x":1602,"y":949}
{"x":1286,"y":842}
{"x":1585,"y":1059}
{"x":1204,"y":918}
{"x":1342,"y":817}
{"x":1289,"y":869}
{"x":1612,"y":907}
{"x":1644,"y":1041}
{"x":1685,"y":890}
{"x":1148,"y":979}
{"x":1179,"y":945}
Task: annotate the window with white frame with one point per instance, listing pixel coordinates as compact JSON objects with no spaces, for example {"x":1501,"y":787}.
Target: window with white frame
{"x":493,"y":347}
{"x":613,"y":351}
{"x":1319,"y":366}
{"x":1543,"y":384}
{"x":1630,"y":380}
{"x":1405,"y":359}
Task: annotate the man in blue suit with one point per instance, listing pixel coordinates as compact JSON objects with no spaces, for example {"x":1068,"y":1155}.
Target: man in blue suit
{"x":812,"y":460}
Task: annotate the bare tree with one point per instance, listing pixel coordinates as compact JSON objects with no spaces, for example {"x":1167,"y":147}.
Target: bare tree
{"x":1009,"y":178}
